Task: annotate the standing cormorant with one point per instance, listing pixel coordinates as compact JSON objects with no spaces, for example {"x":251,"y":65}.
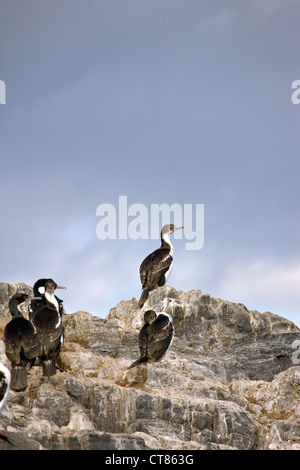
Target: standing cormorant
{"x":21,"y":343}
{"x":156,"y":267}
{"x":46,"y":316}
{"x":155,"y":337}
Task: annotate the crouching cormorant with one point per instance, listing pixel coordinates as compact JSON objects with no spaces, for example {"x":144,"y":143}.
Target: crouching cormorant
{"x":156,"y":267}
{"x":22,"y":344}
{"x":155,"y":337}
{"x":46,"y":317}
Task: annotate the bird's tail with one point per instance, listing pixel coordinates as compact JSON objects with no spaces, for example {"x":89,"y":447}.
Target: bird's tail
{"x":18,"y":378}
{"x":144,"y":297}
{"x":49,"y":367}
{"x":141,"y":360}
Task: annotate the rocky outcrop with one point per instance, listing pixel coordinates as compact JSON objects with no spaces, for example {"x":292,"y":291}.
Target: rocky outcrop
{"x":231,"y":380}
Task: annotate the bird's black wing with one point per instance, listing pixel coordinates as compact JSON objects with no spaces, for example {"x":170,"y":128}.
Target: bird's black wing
{"x":48,"y":323}
{"x":154,"y":267}
{"x":35,"y":305}
{"x":4,"y":384}
{"x":161,"y":328}
{"x":161,"y":333}
{"x":31,"y":343}
{"x":12,"y":341}
{"x":60,"y":305}
{"x":21,"y":340}
{"x":143,"y":340}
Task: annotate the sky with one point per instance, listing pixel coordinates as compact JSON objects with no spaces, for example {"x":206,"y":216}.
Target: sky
{"x":183,"y":102}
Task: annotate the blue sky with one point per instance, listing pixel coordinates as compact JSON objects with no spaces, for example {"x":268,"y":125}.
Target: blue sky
{"x":165,"y":101}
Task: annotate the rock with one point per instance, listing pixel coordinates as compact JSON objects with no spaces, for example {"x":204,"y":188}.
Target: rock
{"x":230,"y":381}
{"x":6,"y":292}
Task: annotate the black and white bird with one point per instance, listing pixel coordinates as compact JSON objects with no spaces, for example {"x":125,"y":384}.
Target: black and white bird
{"x":156,"y":267}
{"x":5,"y":379}
{"x":39,"y":293}
{"x":155,"y":337}
{"x":21,"y":341}
{"x":46,"y":317}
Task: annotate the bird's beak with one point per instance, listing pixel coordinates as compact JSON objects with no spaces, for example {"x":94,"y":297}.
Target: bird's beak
{"x":60,"y":287}
{"x":178,"y":228}
{"x":31,"y":298}
{"x":27,"y":301}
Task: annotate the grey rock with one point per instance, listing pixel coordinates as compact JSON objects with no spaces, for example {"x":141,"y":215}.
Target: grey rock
{"x":228,"y":381}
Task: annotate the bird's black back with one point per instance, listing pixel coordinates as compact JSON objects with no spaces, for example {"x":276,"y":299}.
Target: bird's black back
{"x":154,"y":267}
{"x":143,"y":340}
{"x":21,"y":341}
{"x":49,"y":327}
{"x":160,"y":335}
{"x":47,"y":321}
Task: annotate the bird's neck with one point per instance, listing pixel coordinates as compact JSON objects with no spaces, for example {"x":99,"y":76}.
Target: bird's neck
{"x":52,"y":300}
{"x":14,"y":310}
{"x":166,"y":243}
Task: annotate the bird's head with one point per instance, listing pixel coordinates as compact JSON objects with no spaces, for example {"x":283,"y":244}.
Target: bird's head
{"x":149,"y":316}
{"x":19,"y":303}
{"x":15,"y":302}
{"x":45,"y":285}
{"x":169,"y":228}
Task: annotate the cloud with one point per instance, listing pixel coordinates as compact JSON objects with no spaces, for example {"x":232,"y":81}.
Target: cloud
{"x":263,"y":284}
{"x":98,"y":278}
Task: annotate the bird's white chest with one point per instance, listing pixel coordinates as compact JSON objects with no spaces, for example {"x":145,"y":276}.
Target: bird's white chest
{"x":51,"y":298}
{"x":167,"y":274}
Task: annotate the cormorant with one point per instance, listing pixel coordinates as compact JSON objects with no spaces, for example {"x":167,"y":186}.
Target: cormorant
{"x":46,"y":316}
{"x":155,"y":337}
{"x":22,"y":344}
{"x":5,"y":378}
{"x":156,"y":267}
